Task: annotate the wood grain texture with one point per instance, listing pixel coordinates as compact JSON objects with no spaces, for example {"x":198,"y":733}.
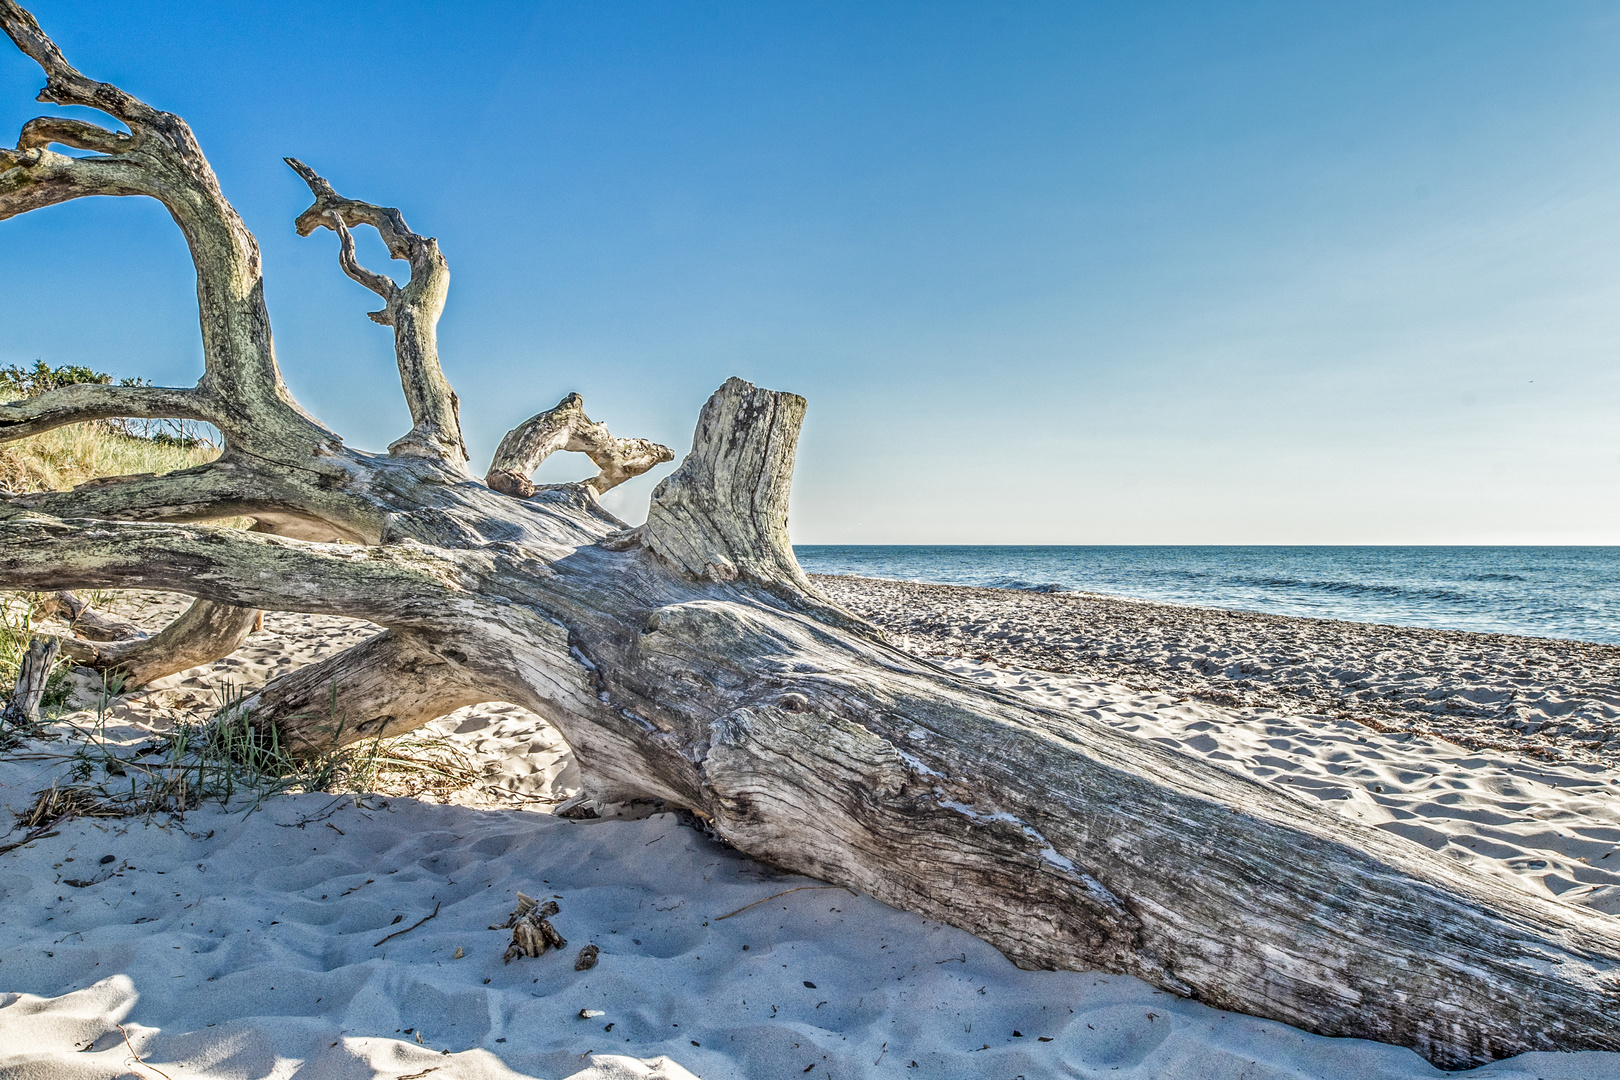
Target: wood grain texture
{"x":33,"y":677}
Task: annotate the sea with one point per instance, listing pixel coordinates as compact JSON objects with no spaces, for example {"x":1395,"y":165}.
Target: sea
{"x":1571,"y":593}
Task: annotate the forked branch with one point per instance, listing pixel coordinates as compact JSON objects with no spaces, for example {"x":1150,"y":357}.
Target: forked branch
{"x":64,"y":84}
{"x":566,"y":427}
{"x":413,"y":311}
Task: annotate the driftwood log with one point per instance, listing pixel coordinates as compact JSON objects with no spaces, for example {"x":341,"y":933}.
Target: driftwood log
{"x":690,"y":660}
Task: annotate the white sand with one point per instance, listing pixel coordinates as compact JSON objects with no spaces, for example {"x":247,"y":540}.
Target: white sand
{"x":1558,"y":700}
{"x":244,"y":946}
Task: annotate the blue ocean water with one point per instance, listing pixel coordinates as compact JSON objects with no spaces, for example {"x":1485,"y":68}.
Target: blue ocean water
{"x":1555,"y":592}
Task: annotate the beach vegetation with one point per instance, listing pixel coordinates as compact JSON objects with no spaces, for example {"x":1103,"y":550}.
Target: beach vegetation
{"x":230,"y":758}
{"x":64,"y":457}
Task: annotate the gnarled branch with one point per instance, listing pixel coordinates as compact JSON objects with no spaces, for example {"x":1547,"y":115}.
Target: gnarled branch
{"x":413,"y":311}
{"x":36,"y":178}
{"x":64,"y":83}
{"x":401,"y":584}
{"x":227,"y":487}
{"x":203,"y":633}
{"x":79,"y":134}
{"x":81,"y":402}
{"x":160,"y":158}
{"x":566,"y":427}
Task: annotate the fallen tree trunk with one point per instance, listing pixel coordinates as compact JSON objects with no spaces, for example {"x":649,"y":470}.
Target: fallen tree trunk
{"x":690,"y":660}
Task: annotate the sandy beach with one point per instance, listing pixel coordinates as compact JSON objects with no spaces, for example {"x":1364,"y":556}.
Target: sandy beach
{"x":250,"y":944}
{"x":1555,"y":700}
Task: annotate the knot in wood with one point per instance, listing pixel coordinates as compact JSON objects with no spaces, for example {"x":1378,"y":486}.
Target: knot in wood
{"x":794,"y":703}
{"x":721,"y":569}
{"x":510,"y":483}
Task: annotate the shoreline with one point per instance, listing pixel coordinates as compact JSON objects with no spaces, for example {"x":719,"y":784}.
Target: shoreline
{"x":1548,"y":698}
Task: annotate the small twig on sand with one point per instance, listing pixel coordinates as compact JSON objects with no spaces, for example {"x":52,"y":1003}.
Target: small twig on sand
{"x":38,"y":834}
{"x":137,"y":1057}
{"x":768,"y":899}
{"x":411,"y":927}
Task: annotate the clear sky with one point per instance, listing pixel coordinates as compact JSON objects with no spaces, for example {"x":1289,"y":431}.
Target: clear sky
{"x":1048,"y":273}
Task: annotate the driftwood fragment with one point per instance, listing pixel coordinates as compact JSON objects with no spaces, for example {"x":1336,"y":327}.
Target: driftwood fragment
{"x":33,"y":676}
{"x":84,"y":620}
{"x":532,"y":932}
{"x":431,"y":915}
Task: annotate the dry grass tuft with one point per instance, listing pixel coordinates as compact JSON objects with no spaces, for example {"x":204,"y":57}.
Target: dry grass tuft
{"x":65,"y":457}
{"x":57,"y":803}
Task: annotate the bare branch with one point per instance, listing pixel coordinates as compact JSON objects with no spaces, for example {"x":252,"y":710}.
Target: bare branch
{"x":81,"y":402}
{"x":566,"y":427}
{"x":413,"y":311}
{"x":203,"y":633}
{"x":381,"y":284}
{"x":401,"y":584}
{"x":226,"y":487}
{"x":78,"y":134}
{"x":64,"y":84}
{"x":36,"y":178}
{"x":384,"y":686}
{"x":160,"y":158}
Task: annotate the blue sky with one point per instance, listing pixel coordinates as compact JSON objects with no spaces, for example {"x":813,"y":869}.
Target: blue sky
{"x":1048,"y":273}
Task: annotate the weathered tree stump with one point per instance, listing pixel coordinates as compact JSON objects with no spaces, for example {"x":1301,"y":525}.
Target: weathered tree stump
{"x":33,"y":677}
